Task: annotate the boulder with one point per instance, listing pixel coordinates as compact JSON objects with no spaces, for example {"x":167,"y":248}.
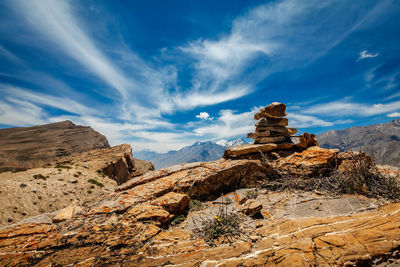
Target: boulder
{"x":266,"y":122}
{"x":146,"y":212}
{"x":66,"y":214}
{"x":116,"y":162}
{"x":274,"y":110}
{"x":305,"y":140}
{"x":259,"y":134}
{"x":173,"y":202}
{"x":240,"y":150}
{"x":252,"y":207}
{"x":310,"y":162}
{"x":278,"y":129}
{"x":271,"y":139}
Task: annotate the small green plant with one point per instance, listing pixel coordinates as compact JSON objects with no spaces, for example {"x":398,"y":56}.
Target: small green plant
{"x":39,"y":176}
{"x":93,"y":181}
{"x":92,"y":187}
{"x":251,"y":194}
{"x":60,"y":166}
{"x":59,"y":170}
{"x":223,"y":224}
{"x":89,"y":191}
{"x":19,"y":170}
{"x":79,"y":173}
{"x":195,"y":205}
{"x":177,"y":220}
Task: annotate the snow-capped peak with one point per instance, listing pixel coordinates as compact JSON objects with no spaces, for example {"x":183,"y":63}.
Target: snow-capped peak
{"x":228,"y":143}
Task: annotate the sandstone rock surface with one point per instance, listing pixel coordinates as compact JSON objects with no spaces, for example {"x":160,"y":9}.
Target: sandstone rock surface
{"x":130,"y":226}
{"x":116,"y":162}
{"x":311,"y":162}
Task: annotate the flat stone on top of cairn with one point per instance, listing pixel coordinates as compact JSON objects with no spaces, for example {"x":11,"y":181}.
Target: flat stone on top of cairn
{"x":274,"y":110}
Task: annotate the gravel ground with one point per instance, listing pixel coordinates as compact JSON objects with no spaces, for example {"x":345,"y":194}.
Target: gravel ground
{"x":22,"y":195}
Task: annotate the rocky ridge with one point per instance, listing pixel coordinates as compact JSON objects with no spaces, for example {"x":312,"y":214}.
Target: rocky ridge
{"x":156,"y":219}
{"x":79,"y":180}
{"x":134,"y":225}
{"x":28,"y":147}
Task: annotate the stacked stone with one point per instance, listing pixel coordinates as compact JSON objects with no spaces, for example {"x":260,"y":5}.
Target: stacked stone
{"x":271,"y":127}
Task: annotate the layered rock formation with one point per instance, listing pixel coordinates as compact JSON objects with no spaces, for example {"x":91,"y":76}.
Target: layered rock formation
{"x":272,"y":134}
{"x":136,"y":225}
{"x":27,"y":147}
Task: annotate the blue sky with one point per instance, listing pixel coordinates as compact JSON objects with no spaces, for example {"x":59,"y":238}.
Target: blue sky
{"x":163,"y":74}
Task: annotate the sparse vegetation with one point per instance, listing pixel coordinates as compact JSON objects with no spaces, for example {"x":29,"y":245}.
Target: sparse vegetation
{"x":251,"y":194}
{"x":19,"y":170}
{"x":93,"y":181}
{"x":89,"y":191}
{"x":39,"y":176}
{"x":223,"y":224}
{"x":358,"y":174}
{"x":195,"y":204}
{"x":177,"y":220}
{"x":60,"y":166}
{"x":361,"y":175}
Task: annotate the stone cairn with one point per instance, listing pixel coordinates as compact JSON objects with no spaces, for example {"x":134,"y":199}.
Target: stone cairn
{"x":271,"y":126}
{"x":272,"y":134}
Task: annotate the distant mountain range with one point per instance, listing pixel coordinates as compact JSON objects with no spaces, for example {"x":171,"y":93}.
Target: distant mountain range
{"x":383,"y":140}
{"x":199,"y":151}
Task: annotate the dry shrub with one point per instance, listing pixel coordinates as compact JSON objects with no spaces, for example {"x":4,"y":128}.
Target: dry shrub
{"x":223,"y":224}
{"x":356,"y":172}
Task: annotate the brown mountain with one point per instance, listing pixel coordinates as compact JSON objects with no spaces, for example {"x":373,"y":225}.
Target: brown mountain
{"x":25,"y":147}
{"x":382,"y":140}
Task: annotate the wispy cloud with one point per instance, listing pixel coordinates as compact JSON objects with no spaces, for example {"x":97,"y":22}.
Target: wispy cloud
{"x":394,"y":115}
{"x":56,"y":20}
{"x":10,"y":56}
{"x":364,"y":54}
{"x":346,"y":108}
{"x":20,"y":113}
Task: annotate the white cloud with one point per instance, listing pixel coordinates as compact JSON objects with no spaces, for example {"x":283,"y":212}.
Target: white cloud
{"x":63,"y":103}
{"x":364,"y":54}
{"x":204,"y":116}
{"x":227,"y":125}
{"x":20,"y":113}
{"x":345,"y":108}
{"x":56,"y":20}
{"x":305,"y":121}
{"x":394,"y":115}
